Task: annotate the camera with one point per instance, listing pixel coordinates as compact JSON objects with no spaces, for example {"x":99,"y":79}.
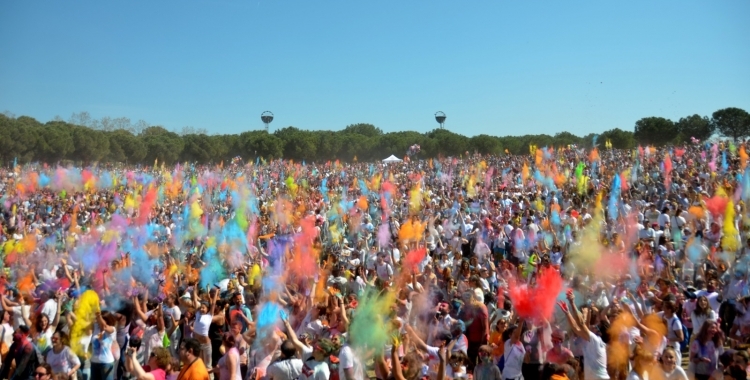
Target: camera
{"x":134,"y":343}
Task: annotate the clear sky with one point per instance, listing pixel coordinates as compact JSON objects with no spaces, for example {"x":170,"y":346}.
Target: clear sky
{"x":497,"y":67}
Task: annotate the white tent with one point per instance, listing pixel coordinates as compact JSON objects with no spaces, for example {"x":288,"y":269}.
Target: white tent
{"x":392,"y":158}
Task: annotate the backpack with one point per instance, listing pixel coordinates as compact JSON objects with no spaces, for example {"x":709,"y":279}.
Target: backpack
{"x":686,"y":342}
{"x":501,"y":363}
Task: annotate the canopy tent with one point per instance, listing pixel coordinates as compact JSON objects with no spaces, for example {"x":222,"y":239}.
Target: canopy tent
{"x":392,"y":158}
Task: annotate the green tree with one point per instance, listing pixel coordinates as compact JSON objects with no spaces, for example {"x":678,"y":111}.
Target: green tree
{"x":364,"y":129}
{"x":654,"y":130}
{"x":514,"y":145}
{"x":18,"y":139}
{"x":695,"y":126}
{"x":126,"y":147}
{"x":447,"y":143}
{"x":27,"y":122}
{"x":486,"y":144}
{"x":620,"y":139}
{"x":565,"y":139}
{"x":161,"y":144}
{"x":732,"y":122}
{"x":198,"y":148}
{"x":55,"y":141}
{"x":298,"y":144}
{"x":397,"y":143}
{"x":90,"y":145}
{"x":221,"y":148}
{"x":354,"y":145}
{"x":330,"y":145}
{"x":262,"y":144}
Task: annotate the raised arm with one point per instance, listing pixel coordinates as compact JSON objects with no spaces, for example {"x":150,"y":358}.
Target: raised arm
{"x":441,"y":367}
{"x":64,"y":264}
{"x":344,"y":316}
{"x":6,"y":303}
{"x":194,"y":295}
{"x":160,"y":327}
{"x":56,"y":320}
{"x":293,"y":335}
{"x":103,"y":324}
{"x":25,"y":312}
{"x":516,"y":336}
{"x":138,"y":311}
{"x":398,"y":373}
{"x":418,"y":342}
{"x":132,"y":366}
{"x":213,"y":301}
{"x":583,"y":332}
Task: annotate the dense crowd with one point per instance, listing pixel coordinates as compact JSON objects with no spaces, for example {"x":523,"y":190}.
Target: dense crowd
{"x":562,"y":264}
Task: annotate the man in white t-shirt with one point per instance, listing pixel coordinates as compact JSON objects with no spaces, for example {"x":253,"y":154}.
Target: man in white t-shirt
{"x":594,"y":349}
{"x":383,"y":269}
{"x":49,"y":305}
{"x":350,"y":368}
{"x":315,"y":367}
{"x":171,"y":310}
{"x":288,"y":367}
{"x":712,"y":295}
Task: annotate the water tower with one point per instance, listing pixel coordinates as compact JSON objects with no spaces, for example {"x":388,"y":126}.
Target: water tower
{"x":267,"y":118}
{"x":440,"y":118}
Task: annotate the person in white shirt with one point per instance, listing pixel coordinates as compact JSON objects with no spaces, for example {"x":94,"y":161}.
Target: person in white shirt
{"x":383,"y":269}
{"x":674,"y":327}
{"x":652,"y":213}
{"x":702,"y":313}
{"x":288,"y":366}
{"x":6,"y":330}
{"x":712,"y":295}
{"x":513,"y":353}
{"x":663,"y":218}
{"x":531,"y":227}
{"x":315,"y":367}
{"x":49,"y":305}
{"x":594,"y":349}
{"x":670,"y":369}
{"x":19,"y":311}
{"x":350,"y":368}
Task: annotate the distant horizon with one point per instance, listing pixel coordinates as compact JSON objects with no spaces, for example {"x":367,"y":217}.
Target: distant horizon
{"x":437,"y":126}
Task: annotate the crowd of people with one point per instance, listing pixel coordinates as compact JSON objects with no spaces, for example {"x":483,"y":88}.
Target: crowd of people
{"x":563,"y":264}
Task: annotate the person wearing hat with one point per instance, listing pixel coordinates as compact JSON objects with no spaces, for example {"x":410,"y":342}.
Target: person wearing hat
{"x":315,"y":367}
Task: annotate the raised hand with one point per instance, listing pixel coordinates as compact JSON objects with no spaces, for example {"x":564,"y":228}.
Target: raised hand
{"x":442,"y":353}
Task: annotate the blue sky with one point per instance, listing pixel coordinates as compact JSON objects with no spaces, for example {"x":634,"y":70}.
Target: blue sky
{"x":494,"y":67}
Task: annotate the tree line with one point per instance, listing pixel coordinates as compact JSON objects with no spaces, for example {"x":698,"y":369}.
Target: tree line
{"x":84,"y":140}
